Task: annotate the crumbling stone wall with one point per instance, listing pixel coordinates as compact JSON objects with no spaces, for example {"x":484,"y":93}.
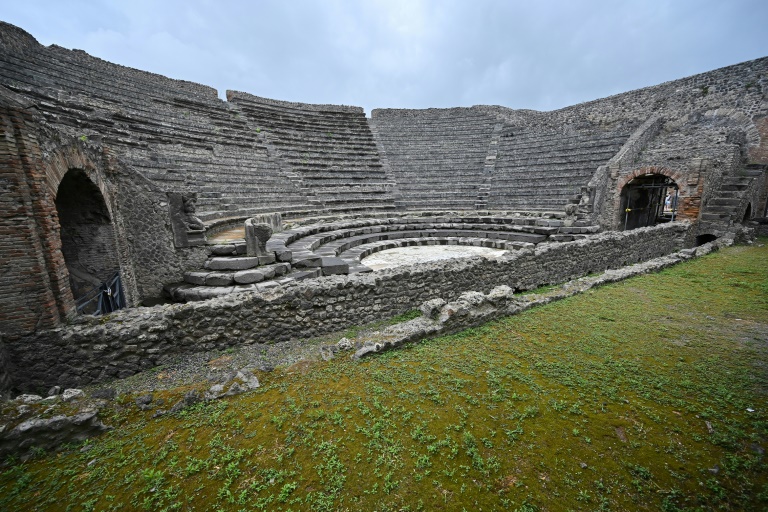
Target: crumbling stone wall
{"x":134,"y":223}
{"x":131,"y":340}
{"x":143,"y":215}
{"x":34,"y":289}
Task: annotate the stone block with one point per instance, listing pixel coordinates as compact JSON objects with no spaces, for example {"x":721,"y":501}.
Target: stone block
{"x":306,"y":274}
{"x":283,"y":255}
{"x":267,"y":259}
{"x":195,"y":277}
{"x":236,"y":263}
{"x":307,"y":260}
{"x":248,"y":276}
{"x":223,"y":250}
{"x":282,"y":268}
{"x":334,"y":266}
{"x":219,"y":279}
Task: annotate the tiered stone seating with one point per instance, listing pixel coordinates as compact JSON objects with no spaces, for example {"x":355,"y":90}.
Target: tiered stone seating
{"x":315,"y":250}
{"x":328,"y":149}
{"x":178,"y":134}
{"x":542,"y":171}
{"x":437,"y":156}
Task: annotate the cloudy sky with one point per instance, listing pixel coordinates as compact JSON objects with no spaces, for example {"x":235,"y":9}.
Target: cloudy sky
{"x":536,"y":54}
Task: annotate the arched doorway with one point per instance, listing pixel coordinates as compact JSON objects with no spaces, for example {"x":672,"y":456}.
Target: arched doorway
{"x":648,"y":200}
{"x":88,"y":244}
{"x":747,"y":214}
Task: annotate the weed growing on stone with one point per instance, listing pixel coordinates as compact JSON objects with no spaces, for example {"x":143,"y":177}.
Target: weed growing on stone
{"x":649,"y":394}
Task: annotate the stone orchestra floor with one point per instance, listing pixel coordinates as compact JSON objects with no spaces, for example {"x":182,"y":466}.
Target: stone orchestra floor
{"x":421,"y":254}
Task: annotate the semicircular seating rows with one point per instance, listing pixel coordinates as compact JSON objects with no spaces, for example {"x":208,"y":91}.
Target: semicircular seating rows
{"x":333,"y":248}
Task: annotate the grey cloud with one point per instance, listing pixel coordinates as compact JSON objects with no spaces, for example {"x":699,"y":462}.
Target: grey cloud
{"x":410,"y":53}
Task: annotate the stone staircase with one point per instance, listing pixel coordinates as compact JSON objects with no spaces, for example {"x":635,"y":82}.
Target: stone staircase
{"x":330,"y":149}
{"x":728,"y":202}
{"x":178,"y":134}
{"x":545,"y":170}
{"x":229,"y":270}
{"x":437,"y":156}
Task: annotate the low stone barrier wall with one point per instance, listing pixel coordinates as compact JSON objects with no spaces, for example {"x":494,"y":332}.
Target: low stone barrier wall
{"x":128,"y":341}
{"x":439,"y":317}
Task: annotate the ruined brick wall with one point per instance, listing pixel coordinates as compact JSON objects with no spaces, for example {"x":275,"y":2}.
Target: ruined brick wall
{"x":34,"y":289}
{"x":759,"y":154}
{"x":131,"y":340}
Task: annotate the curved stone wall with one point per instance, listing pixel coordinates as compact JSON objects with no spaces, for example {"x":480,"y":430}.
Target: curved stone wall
{"x":95,"y":349}
{"x":314,"y":250}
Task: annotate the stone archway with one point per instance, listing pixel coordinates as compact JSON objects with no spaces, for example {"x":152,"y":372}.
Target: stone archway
{"x":690,"y":187}
{"x":647,"y":200}
{"x":747,"y":214}
{"x":87,"y":237}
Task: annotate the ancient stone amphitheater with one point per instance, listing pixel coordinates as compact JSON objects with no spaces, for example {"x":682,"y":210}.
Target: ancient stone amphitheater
{"x":122,"y":188}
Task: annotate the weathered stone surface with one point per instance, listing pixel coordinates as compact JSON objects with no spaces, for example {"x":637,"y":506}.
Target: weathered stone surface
{"x":248,"y":276}
{"x":219,"y":279}
{"x":37,"y":434}
{"x":195,"y":277}
{"x":256,"y":237}
{"x":267,"y":259}
{"x":334,"y":266}
{"x":306,"y":260}
{"x":72,"y":394}
{"x":28,"y":399}
{"x":223,"y":250}
{"x":236,"y":263}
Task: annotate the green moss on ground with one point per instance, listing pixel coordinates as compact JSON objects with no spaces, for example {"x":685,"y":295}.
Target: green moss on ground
{"x":649,"y":394}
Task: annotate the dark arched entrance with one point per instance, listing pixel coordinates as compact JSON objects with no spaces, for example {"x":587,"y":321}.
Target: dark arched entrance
{"x":88,"y":244}
{"x":648,"y":200}
{"x":747,"y":214}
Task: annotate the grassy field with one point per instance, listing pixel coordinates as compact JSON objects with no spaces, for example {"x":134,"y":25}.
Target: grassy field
{"x":650,"y":394}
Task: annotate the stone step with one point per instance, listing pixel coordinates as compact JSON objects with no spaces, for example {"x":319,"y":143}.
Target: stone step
{"x":248,"y":276}
{"x":237,"y":262}
{"x":724,"y":201}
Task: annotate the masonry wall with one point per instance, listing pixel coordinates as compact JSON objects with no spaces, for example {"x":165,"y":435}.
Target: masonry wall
{"x":741,"y":87}
{"x":131,"y":340}
{"x":34,"y":289}
{"x":142,"y":216}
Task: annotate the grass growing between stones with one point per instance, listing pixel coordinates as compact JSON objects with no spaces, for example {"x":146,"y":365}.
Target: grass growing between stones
{"x":649,"y":394}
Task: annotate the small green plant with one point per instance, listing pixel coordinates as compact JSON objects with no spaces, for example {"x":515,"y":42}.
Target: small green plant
{"x":83,"y":138}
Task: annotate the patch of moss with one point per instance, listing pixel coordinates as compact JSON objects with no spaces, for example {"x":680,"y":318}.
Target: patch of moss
{"x":649,"y":394}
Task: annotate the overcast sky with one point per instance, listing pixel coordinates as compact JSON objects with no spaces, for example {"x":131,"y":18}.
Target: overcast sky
{"x":535,"y":54}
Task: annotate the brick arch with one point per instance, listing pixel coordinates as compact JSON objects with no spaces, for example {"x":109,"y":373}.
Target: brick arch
{"x":77,"y":156}
{"x":679,"y":177}
{"x":95,"y":164}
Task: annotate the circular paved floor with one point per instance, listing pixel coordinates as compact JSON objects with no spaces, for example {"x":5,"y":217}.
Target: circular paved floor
{"x":421,"y":254}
